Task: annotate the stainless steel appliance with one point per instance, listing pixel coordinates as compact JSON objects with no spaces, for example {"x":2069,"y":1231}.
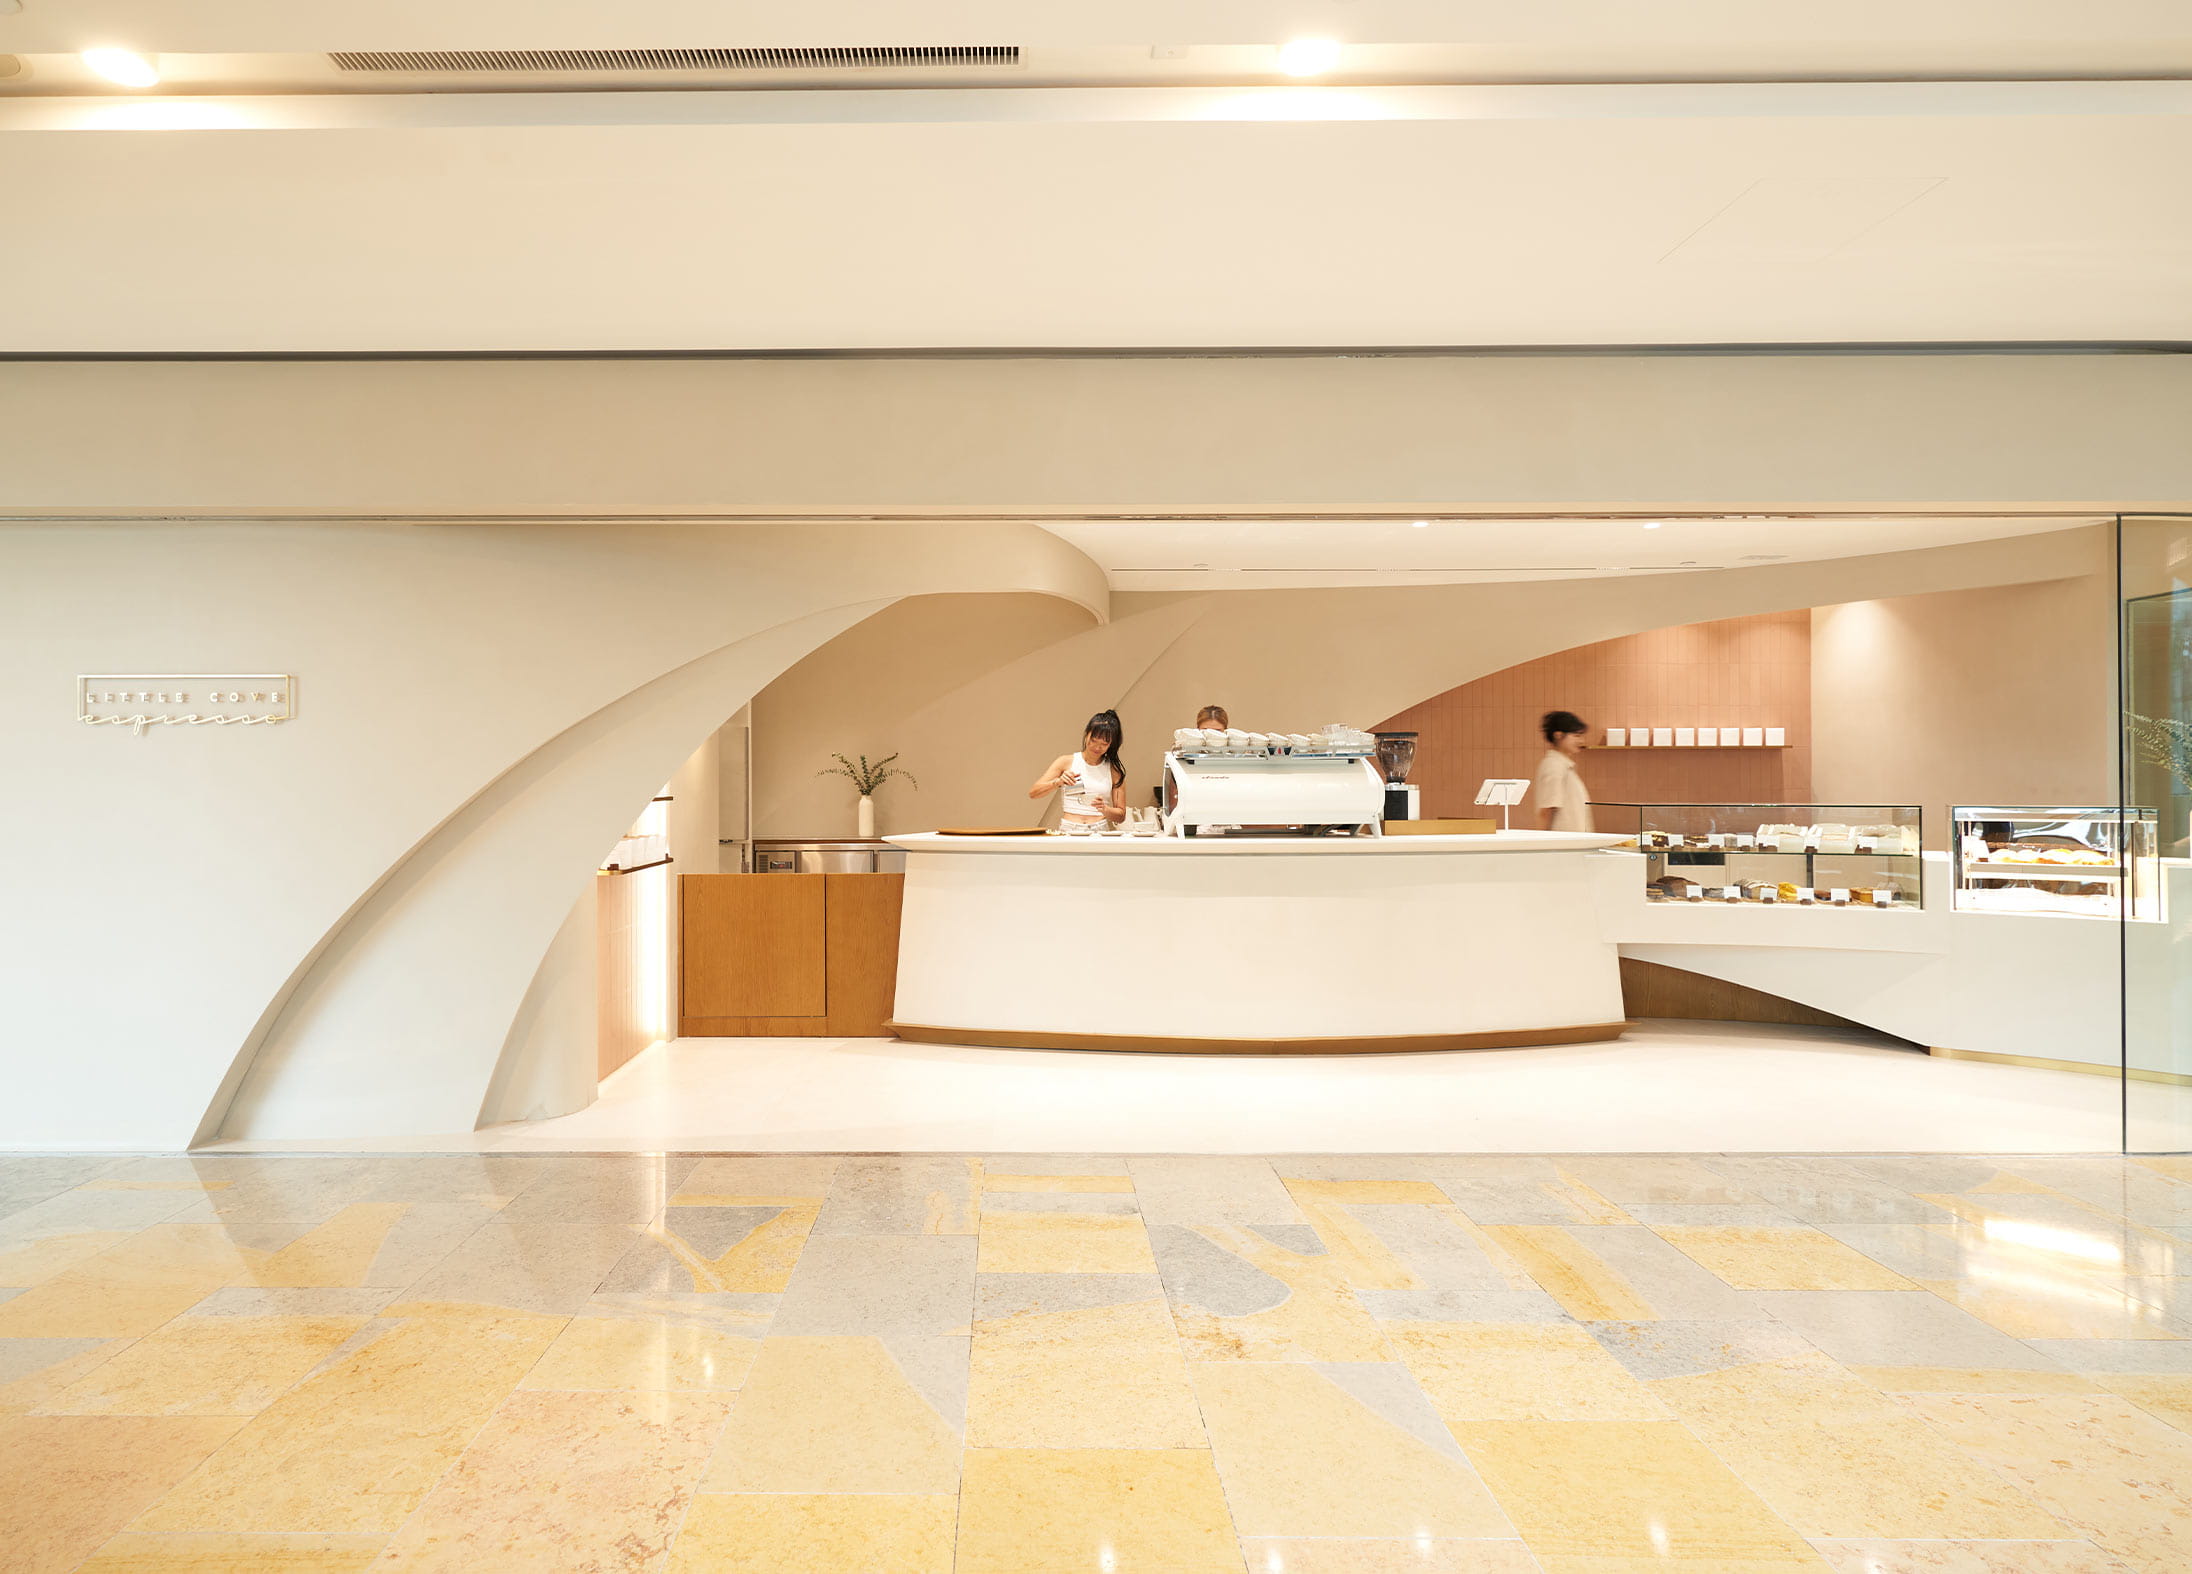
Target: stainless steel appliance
{"x":847,"y":857}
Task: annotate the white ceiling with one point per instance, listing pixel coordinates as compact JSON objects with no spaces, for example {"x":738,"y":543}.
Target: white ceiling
{"x":1261,"y":554}
{"x":1120,"y":218}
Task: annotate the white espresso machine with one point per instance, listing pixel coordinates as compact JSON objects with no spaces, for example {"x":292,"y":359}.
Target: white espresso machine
{"x":1279,"y":791}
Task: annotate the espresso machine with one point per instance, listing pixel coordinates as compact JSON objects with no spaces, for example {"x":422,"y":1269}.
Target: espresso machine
{"x":1396,"y":753}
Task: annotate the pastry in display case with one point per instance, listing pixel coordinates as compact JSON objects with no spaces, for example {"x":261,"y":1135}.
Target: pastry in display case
{"x":2084,"y":863}
{"x":1775,"y":854}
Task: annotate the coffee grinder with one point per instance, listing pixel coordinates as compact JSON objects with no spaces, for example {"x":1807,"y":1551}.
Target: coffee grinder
{"x":1396,"y":753}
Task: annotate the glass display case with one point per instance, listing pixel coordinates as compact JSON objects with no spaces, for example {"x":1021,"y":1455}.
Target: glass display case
{"x":2087,"y":863}
{"x":1769,"y":854}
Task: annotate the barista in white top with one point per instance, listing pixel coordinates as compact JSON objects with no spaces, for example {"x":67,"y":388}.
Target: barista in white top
{"x":1094,"y":782}
{"x":1563,"y":802}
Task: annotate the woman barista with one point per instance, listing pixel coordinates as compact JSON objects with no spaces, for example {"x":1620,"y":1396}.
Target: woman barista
{"x":1093,"y":779}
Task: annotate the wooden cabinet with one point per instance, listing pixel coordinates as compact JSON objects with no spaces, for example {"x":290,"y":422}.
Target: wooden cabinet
{"x":788,"y":955}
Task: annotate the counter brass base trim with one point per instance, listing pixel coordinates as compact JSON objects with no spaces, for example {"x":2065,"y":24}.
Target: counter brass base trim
{"x":2085,"y":1068}
{"x":1410,"y":1043}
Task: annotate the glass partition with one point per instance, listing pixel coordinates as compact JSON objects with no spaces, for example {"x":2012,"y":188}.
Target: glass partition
{"x":2154,"y":577}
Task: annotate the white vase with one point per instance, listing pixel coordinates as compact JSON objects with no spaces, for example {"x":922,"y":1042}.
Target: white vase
{"x":867,"y":815}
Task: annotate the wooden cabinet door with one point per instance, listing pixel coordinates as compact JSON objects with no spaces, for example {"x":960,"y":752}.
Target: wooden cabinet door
{"x":753,"y":945}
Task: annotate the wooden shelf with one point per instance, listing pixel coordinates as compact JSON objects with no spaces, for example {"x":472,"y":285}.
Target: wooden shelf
{"x":1685,"y":748}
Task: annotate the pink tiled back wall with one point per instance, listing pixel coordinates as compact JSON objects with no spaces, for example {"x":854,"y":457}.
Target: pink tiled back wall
{"x":1738,"y":672}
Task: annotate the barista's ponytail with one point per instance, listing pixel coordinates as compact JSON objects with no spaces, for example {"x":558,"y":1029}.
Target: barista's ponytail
{"x":1105,"y":725}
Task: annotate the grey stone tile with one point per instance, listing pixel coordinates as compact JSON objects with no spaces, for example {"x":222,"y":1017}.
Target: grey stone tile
{"x":1210,"y":1190}
{"x":423,"y":1238}
{"x":1462,"y":1306}
{"x":1896,"y":1328}
{"x":529,"y":1265}
{"x":242,"y":1302}
{"x":1110,"y":1164}
{"x":1672,"y":1283}
{"x":2118,"y":1187}
{"x":1678,"y":1348}
{"x":620,"y":1188}
{"x":1408,"y":1166}
{"x":87,"y":1212}
{"x":1708,"y":1213}
{"x":1515,"y":1199}
{"x":1114,"y":1202}
{"x":2118,"y":1357}
{"x":676,"y":1254}
{"x":1001,"y":1295}
{"x":1940,"y":1249}
{"x":1655,"y":1178}
{"x":11,"y":1293}
{"x":1926,"y":1172}
{"x":747,"y":1314}
{"x":901,"y":1196}
{"x":33,"y":1178}
{"x":1436,"y":1249}
{"x":1198,"y":1273}
{"x":881,"y":1284}
{"x":937,"y":1366}
{"x":1386,"y":1389}
{"x":471,"y":1178}
{"x":806,"y":1175}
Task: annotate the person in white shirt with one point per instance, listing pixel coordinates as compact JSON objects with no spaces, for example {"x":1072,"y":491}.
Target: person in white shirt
{"x":1563,"y":802}
{"x":1093,"y":780}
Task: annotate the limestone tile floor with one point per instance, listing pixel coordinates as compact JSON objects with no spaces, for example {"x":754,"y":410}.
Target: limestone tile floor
{"x":953,"y":1364}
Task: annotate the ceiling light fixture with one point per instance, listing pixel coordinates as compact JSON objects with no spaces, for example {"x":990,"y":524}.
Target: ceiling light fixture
{"x":122,"y":65}
{"x":1308,"y":57}
{"x":1423,"y":524}
{"x":1652,"y":524}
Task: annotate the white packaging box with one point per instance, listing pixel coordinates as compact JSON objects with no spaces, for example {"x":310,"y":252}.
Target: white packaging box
{"x":1707,"y":737}
{"x":1754,"y":737}
{"x":1617,"y":737}
{"x":1776,"y":737}
{"x":1730,"y":737}
{"x":1640,"y":737}
{"x":1662,"y":737}
{"x":1685,"y":737}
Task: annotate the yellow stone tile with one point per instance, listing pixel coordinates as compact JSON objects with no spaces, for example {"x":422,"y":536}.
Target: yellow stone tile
{"x":355,"y":1447}
{"x":1785,"y":1562}
{"x":35,"y":1263}
{"x":992,"y":1181}
{"x":28,"y":1394}
{"x":1969,"y":1557}
{"x":332,"y":1254}
{"x":151,"y":1185}
{"x":833,"y":1414}
{"x":1416,"y":1555}
{"x":2175,"y":1166}
{"x":1122,"y":1325}
{"x":132,"y":1552}
{"x":762,"y":1262}
{"x":1520,"y":1372}
{"x":623,"y":1467}
{"x":1593,"y":1208}
{"x":1299,"y":1456}
{"x":643,"y":1353}
{"x":1584,"y":1284}
{"x":1319,"y":1319}
{"x":1871,"y":1475}
{"x":1364,"y":1261}
{"x":2165,"y":1397}
{"x":1803,"y":1389}
{"x":1958,"y":1380}
{"x":1780,"y":1257}
{"x":130,"y":1289}
{"x":2033,"y":1306}
{"x":1062,"y":1395}
{"x":842,"y":1533}
{"x":2112,"y":1473}
{"x":1643,"y":1490}
{"x":1063,"y":1243}
{"x":1385,"y":1191}
{"x":71,"y":1482}
{"x":206,"y":1366}
{"x":1072,"y":1511}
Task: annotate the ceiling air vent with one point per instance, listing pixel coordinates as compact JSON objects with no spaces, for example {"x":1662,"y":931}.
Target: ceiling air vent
{"x":851,"y":58}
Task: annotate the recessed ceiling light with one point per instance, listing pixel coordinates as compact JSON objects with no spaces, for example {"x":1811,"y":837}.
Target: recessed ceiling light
{"x":1651,"y":524}
{"x":1423,"y":524}
{"x":122,"y":65}
{"x":1307,"y":57}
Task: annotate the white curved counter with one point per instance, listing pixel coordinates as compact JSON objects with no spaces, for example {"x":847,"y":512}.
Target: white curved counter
{"x":1205,"y":945}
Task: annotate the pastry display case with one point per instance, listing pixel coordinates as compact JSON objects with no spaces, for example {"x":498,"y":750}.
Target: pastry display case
{"x":1771,"y":854}
{"x":2087,"y":863}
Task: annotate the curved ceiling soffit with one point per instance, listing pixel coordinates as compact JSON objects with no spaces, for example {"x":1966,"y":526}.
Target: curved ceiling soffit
{"x":1393,"y":648}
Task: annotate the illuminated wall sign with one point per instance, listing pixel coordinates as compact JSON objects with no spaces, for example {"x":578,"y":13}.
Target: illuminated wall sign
{"x":137,"y":700}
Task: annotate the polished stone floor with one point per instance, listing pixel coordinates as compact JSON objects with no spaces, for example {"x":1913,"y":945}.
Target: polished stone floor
{"x":812,"y":1364}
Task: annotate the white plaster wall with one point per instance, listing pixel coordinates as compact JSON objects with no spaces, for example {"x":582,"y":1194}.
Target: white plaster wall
{"x":366,"y":894}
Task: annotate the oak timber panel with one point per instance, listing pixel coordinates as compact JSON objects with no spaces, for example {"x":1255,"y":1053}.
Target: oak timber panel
{"x":858,"y":946}
{"x":863,"y":951}
{"x":753,"y":945}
